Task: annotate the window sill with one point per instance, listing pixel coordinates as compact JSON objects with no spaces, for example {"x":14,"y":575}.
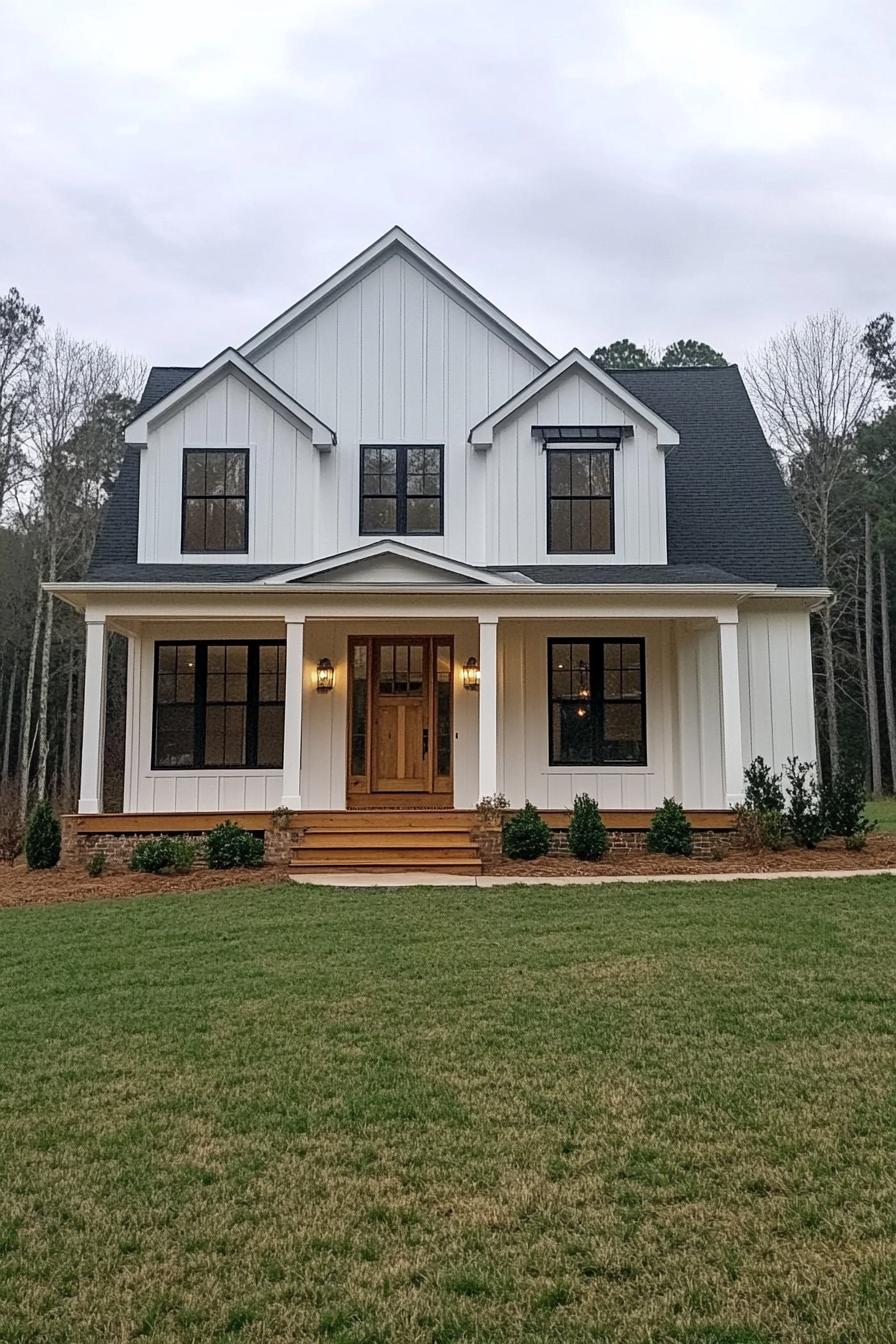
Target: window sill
{"x":599,"y":769}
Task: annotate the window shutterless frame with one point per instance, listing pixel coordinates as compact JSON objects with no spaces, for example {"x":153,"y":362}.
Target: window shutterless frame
{"x":400,"y":494}
{"x":200,"y":702}
{"x":551,"y":451}
{"x":242,"y":495}
{"x":598,"y":702}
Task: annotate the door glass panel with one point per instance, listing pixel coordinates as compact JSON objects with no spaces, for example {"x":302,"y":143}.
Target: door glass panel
{"x":359,"y":710}
{"x":443,"y":709}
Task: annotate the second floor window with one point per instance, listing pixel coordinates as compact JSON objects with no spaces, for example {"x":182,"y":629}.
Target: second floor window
{"x":401,"y":491}
{"x":216,"y":500}
{"x":580,"y":501}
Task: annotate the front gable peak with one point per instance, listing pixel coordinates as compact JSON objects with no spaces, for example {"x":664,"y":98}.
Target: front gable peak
{"x":388,"y":563}
{"x":395,"y":242}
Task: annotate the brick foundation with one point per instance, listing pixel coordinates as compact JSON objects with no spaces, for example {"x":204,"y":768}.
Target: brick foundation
{"x":707,"y":844}
{"x":118,"y":846}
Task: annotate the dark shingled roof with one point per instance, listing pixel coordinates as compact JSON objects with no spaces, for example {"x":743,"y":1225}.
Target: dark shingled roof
{"x":729,"y":516}
{"x":726,"y":502}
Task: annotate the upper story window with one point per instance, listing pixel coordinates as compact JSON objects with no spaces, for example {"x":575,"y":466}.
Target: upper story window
{"x":216,"y":500}
{"x":580,"y":501}
{"x":401,"y":491}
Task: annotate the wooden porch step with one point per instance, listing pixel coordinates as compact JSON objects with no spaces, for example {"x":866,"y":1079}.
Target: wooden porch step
{"x":387,"y":841}
{"x":386,"y":865}
{"x":397,"y":852}
{"x":391,"y":839}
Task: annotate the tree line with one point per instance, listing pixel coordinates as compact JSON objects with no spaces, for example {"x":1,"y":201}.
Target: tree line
{"x":64,"y":403}
{"x":825,"y":390}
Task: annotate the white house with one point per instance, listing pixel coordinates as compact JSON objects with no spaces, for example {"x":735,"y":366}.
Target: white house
{"x":391,"y":550}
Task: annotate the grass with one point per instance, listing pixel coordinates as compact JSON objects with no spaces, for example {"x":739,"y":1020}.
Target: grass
{"x":883,"y":811}
{"x":655,"y":1114}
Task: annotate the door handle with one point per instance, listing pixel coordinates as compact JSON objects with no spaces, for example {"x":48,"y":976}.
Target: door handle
{"x":425,"y":741}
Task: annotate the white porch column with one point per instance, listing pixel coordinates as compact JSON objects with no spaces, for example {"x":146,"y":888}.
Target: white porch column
{"x":93,"y":732}
{"x":488,"y":706}
{"x":292,"y":713}
{"x":732,"y":749}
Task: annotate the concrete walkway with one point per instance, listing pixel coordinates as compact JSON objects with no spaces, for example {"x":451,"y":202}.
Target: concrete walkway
{"x":455,"y":879}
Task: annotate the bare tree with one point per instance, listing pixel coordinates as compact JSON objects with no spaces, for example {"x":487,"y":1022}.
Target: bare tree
{"x":20,"y":354}
{"x":70,"y":464}
{"x":814,"y":387}
{"x":877,"y":785}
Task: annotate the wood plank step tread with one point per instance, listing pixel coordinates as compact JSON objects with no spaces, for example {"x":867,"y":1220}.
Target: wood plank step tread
{"x":402,"y":840}
{"x":386,"y":852}
{"x":388,"y":865}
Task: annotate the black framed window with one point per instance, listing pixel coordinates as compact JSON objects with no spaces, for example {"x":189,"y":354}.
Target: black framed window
{"x":596,"y":702}
{"x":219,"y":705}
{"x":580,"y":501}
{"x":402,"y":491}
{"x":216,"y":500}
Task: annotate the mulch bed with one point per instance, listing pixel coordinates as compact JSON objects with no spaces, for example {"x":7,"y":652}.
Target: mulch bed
{"x":20,"y":886}
{"x":879,"y":852}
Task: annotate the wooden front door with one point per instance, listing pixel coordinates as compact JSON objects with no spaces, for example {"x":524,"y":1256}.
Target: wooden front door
{"x":401,"y":757}
{"x":400,"y":740}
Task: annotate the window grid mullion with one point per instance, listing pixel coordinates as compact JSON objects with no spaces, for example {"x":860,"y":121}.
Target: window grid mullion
{"x":200,"y":698}
{"x":251,"y":753}
{"x":401,"y":490}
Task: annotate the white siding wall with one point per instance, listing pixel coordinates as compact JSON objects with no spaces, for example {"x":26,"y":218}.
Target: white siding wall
{"x":776,"y":683}
{"x":698,"y":779}
{"x":516,"y":471}
{"x":395,"y":359}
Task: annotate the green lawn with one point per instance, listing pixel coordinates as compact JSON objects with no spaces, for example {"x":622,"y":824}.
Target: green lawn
{"x":883,"y":811}
{"x":661,"y":1113}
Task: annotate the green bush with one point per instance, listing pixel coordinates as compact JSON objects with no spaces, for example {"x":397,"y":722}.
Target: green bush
{"x":96,"y":864}
{"x":843,"y":805}
{"x":762,"y":788}
{"x":805,"y":819}
{"x":760,"y":830}
{"x":670,"y":831}
{"x":163,"y":854}
{"x":43,"y":838}
{"x":526,"y":835}
{"x":229,"y":846}
{"x":588,"y":838}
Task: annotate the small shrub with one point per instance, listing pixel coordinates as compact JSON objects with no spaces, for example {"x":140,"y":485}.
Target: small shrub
{"x":280,"y":818}
{"x":12,"y":832}
{"x":762,"y":788}
{"x":857,"y":841}
{"x":805,"y":820}
{"x":96,"y":864}
{"x":718,"y":849}
{"x":43,"y":838}
{"x":163,"y":854}
{"x":588,"y":838}
{"x":760,"y":830}
{"x":491,"y":808}
{"x":229,"y":846}
{"x":670,"y":831}
{"x":526,"y":835}
{"x":843,"y":805}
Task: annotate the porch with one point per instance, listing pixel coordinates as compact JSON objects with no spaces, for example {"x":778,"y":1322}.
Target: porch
{"x":369,"y":705}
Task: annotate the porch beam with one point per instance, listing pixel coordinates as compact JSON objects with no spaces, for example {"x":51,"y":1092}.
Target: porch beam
{"x":93,"y":732}
{"x":488,"y":706}
{"x":732,"y":748}
{"x":292,"y":713}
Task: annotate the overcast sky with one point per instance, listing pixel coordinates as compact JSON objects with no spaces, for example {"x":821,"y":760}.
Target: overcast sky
{"x":175,"y":173}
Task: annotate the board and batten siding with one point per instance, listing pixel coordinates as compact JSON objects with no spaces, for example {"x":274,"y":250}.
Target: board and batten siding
{"x":395,"y":359}
{"x":775,"y":658}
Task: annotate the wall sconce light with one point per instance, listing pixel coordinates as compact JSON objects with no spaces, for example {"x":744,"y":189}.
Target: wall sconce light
{"x":325,"y":675}
{"x":471,"y":674}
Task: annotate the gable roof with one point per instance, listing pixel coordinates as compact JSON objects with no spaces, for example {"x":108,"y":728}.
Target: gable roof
{"x":414,"y":557}
{"x":481,"y":435}
{"x":195,"y":381}
{"x":395,"y":242}
{"x":726,"y":501}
